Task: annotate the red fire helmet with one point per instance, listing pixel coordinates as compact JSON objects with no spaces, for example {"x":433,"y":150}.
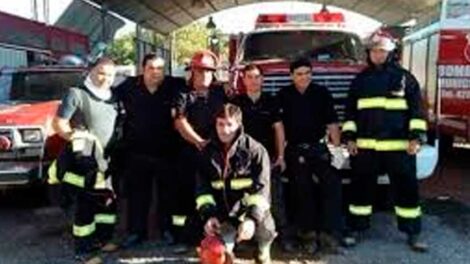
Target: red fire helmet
{"x":212,"y":251}
{"x":204,"y":59}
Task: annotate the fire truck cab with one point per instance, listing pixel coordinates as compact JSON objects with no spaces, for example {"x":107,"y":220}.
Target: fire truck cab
{"x":29,"y":98}
{"x":336,"y":52}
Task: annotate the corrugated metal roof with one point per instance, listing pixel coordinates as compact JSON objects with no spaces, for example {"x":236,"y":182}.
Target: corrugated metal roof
{"x":164,"y":16}
{"x":86,"y":19}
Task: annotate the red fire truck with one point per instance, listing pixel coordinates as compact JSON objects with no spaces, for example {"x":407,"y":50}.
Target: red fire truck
{"x":29,"y":98}
{"x":29,"y":94}
{"x":439,"y":56}
{"x":28,"y":42}
{"x":337,"y":56}
{"x":337,"y":53}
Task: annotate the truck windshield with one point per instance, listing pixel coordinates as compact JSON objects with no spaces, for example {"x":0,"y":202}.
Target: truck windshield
{"x":317,"y":45}
{"x":42,"y":86}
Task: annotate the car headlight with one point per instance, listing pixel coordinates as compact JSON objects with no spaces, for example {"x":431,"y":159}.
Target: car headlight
{"x":31,"y":135}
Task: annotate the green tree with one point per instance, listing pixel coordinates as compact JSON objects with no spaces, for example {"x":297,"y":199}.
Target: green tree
{"x":123,"y":49}
{"x":188,"y":40}
{"x":194,"y":37}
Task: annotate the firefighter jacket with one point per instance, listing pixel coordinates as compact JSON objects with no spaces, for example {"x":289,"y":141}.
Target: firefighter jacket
{"x":384,"y":110}
{"x":234,"y":183}
{"x":81,"y":164}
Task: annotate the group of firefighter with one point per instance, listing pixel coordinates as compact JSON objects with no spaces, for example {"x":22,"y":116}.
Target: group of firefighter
{"x":231,"y":167}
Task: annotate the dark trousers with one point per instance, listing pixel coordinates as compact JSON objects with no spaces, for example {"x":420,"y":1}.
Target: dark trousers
{"x":278,"y":202}
{"x":143,"y":175}
{"x":183,"y":209}
{"x":401,"y":170}
{"x":94,"y":220}
{"x":315,"y":189}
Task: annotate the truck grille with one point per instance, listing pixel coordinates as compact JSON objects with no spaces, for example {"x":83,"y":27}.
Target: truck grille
{"x":338,"y":84}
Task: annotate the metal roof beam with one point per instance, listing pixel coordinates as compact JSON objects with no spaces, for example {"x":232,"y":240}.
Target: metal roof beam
{"x":212,"y":5}
{"x":186,"y":11}
{"x":158,"y":12}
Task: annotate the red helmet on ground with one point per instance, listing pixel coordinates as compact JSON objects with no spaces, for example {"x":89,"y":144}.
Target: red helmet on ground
{"x":212,"y":251}
{"x":381,"y":40}
{"x":204,"y":59}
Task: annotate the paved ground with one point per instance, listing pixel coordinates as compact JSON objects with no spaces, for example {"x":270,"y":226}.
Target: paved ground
{"x":31,"y":234}
{"x":451,"y":178}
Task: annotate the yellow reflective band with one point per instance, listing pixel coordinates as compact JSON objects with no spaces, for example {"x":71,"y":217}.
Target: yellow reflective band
{"x":366,"y":143}
{"x":382,"y":145}
{"x":257,"y":200}
{"x":391,"y":145}
{"x":418,"y":124}
{"x":178,"y":220}
{"x":74,"y":179}
{"x":360,"y":210}
{"x":100,"y":182}
{"x":83,"y":231}
{"x":396,"y":104}
{"x":239,"y":184}
{"x":218,"y":185}
{"x":382,"y":103}
{"x":349,"y":126}
{"x":52,"y":173}
{"x":105,"y":218}
{"x":204,"y":199}
{"x":374,"y":102}
{"x":408,"y":212}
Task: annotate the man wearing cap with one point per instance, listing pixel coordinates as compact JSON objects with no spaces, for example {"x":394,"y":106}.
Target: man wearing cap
{"x":149,"y":140}
{"x":384,"y":130}
{"x":194,"y":115}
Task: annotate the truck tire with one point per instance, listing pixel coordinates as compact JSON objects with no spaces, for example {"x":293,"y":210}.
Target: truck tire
{"x":446,"y":143}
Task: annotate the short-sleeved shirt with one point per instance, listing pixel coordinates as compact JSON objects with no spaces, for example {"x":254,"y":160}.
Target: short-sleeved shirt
{"x":200,"y":109}
{"x":148,"y":128}
{"x":259,"y":118}
{"x":306,"y":115}
{"x":87,"y":111}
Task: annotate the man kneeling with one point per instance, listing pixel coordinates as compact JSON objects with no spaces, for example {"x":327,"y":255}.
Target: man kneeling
{"x":233,"y":188}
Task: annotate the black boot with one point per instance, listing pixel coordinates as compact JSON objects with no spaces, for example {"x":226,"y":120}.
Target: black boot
{"x":352,"y":238}
{"x":180,"y":248}
{"x":329,"y":244}
{"x":89,"y":259}
{"x":416,"y":244}
{"x":132,"y":240}
{"x":288,"y":246}
{"x":309,"y":243}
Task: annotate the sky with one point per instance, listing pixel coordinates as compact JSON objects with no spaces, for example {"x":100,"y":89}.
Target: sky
{"x":234,"y":20}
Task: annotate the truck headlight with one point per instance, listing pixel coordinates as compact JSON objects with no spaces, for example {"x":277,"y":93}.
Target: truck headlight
{"x":31,"y":135}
